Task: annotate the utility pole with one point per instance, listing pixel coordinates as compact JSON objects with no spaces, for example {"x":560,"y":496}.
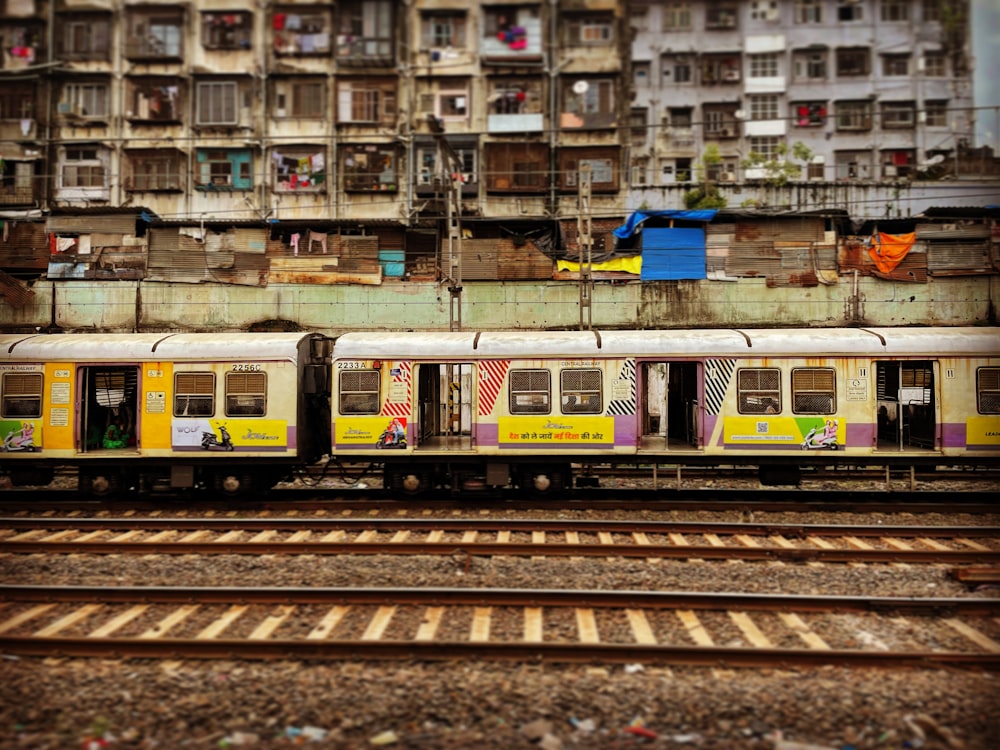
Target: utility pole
{"x":583,"y":226}
{"x":451,"y":171}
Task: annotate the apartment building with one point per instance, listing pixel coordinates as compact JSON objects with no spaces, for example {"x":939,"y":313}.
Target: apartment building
{"x":873,"y":89}
{"x":378,"y":112}
{"x":355,"y":110}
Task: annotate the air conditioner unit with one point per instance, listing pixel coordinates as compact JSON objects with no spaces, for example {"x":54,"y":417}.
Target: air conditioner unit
{"x":727,"y":177}
{"x":68,"y":108}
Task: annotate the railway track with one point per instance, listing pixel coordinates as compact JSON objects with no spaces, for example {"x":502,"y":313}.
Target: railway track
{"x":666,"y":628}
{"x":951,"y":545}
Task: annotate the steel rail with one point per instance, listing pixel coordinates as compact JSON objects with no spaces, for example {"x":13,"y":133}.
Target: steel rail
{"x":498,"y":597}
{"x":491,"y":524}
{"x":513,"y":549}
{"x":531,"y":652}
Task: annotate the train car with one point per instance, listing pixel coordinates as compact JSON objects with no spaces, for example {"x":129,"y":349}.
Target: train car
{"x":491,"y":409}
{"x":163,"y":411}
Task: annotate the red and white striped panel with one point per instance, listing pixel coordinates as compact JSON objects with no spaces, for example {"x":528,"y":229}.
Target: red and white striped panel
{"x":399,"y":373}
{"x":491,"y":375}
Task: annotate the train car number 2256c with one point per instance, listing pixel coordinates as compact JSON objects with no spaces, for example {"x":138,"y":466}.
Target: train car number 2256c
{"x":246,"y":367}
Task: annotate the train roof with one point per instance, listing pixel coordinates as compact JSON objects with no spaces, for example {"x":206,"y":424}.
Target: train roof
{"x":128,"y":347}
{"x":673,"y":342}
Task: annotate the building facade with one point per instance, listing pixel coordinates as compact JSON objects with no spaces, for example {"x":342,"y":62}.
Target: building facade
{"x":375,"y":109}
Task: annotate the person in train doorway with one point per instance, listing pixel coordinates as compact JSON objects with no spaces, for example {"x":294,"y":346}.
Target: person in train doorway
{"x":117,"y":434}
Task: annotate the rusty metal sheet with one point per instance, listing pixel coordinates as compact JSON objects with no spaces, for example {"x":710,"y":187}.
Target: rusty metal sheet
{"x":935,"y":232}
{"x":970,"y":257}
{"x":26,"y":246}
{"x":176,"y":257}
{"x":14,"y":292}
{"x":480,"y":259}
{"x":88,"y":223}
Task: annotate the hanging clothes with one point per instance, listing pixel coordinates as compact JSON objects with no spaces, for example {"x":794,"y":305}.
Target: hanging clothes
{"x":888,"y":250}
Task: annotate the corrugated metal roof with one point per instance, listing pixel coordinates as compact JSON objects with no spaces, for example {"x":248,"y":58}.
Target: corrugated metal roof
{"x":673,"y":253}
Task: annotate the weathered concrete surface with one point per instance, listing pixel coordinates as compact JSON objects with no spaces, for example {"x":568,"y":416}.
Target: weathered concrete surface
{"x":128,"y":306}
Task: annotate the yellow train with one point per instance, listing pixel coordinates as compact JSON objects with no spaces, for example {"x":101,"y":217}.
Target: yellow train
{"x":469,"y":411}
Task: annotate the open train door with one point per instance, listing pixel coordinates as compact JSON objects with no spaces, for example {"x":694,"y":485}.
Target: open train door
{"x":108,"y":396}
{"x":444,"y":403}
{"x":906,"y":408}
{"x":670,"y":414}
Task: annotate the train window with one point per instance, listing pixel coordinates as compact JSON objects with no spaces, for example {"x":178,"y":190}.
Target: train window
{"x":359,"y":391}
{"x":988,"y":390}
{"x":194,"y":394}
{"x":580,"y":391}
{"x":22,"y":394}
{"x":759,"y":390}
{"x":814,"y":390}
{"x":529,"y":391}
{"x":246,"y":394}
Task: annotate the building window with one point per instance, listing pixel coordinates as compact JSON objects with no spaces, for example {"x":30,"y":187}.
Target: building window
{"x":22,"y":395}
{"x":898,"y":163}
{"x":759,"y":390}
{"x":987,"y":390}
{"x":530,"y":391}
{"x":515,"y":96}
{"x":814,"y":390}
{"x":589,"y":30}
{"x":809,"y":114}
{"x":935,"y":65}
{"x":765,"y":10}
{"x":366,"y":33}
{"x":17,"y":101}
{"x":88,"y":100}
{"x":639,"y":123}
{"x":194,"y":394}
{"x":224,"y":169}
{"x":720,"y":16}
{"x":853,"y":165}
{"x":588,"y":104}
{"x":720,"y":69}
{"x":603,"y":164}
{"x":720,"y":121}
{"x":677,"y":69}
{"x":155,"y":170}
{"x":84,"y":37}
{"x":855,"y":115}
{"x":764,"y":107}
{"x":676,"y":16}
{"x":154,"y":34}
{"x":218,"y":103}
{"x":229,"y":30}
{"x":246,"y":394}
{"x":444,"y":29}
{"x":894,"y":10}
{"x":299,"y":169}
{"x":453,"y":105}
{"x":808,"y":11}
{"x":369,"y":167}
{"x":580,"y":391}
{"x":936,"y":113}
{"x":301,"y":31}
{"x":154,"y":99}
{"x":517,"y":167}
{"x":899,"y":114}
{"x":437,"y":171}
{"x":764,"y":66}
{"x":359,"y":391}
{"x":299,"y":98}
{"x":366,"y":100}
{"x":84,"y":167}
{"x":850,"y":10}
{"x":809,"y":64}
{"x":895,"y":65}
{"x":854,"y":61}
{"x":765,"y":146}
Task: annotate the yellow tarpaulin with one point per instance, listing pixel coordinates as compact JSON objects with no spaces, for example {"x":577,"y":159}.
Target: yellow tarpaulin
{"x":630,"y":264}
{"x":888,"y":250}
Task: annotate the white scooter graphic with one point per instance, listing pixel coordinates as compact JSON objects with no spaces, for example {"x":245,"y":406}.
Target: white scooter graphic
{"x":822,"y":437}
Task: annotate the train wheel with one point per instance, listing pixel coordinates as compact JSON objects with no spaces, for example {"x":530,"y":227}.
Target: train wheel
{"x":233,"y":485}
{"x":100,"y":483}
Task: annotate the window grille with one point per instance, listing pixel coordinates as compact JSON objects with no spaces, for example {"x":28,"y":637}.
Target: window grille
{"x":194,"y":394}
{"x":814,"y":391}
{"x":246,"y":394}
{"x":529,"y":392}
{"x":22,"y":394}
{"x":580,"y":391}
{"x":359,"y":391}
{"x":759,"y":391}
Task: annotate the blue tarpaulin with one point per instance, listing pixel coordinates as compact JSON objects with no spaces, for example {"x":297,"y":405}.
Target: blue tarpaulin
{"x":632,"y":223}
{"x":677,"y":253}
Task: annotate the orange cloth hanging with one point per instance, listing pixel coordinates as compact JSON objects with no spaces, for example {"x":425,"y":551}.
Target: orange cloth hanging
{"x":888,"y":250}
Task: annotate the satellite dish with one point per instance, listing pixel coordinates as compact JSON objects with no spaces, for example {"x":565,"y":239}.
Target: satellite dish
{"x":580,"y":87}
{"x":740,"y":114}
{"x":932,"y":162}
